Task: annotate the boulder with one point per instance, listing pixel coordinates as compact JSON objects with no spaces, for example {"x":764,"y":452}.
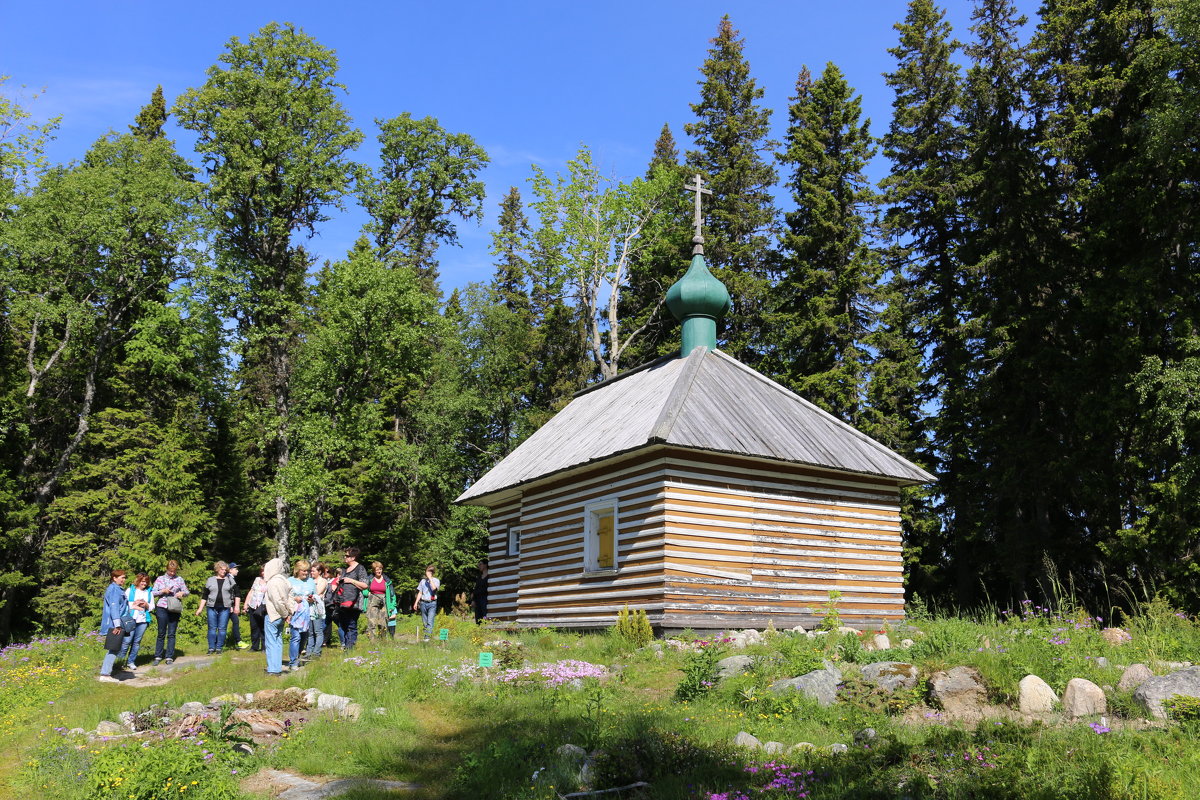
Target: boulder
{"x":881,"y":641}
{"x":843,"y":629}
{"x":838,"y":747}
{"x":1152,"y":694}
{"x":127,"y":718}
{"x":294,"y":692}
{"x":1115,"y":636}
{"x":890,"y":675}
{"x":958,"y":691}
{"x":261,"y":723}
{"x":193,"y":708}
{"x":820,"y":684}
{"x":865,"y":736}
{"x":332,"y":702}
{"x":906,"y":643}
{"x":747,"y":740}
{"x":1102,"y":662}
{"x":773,"y":748}
{"x":733,"y":665}
{"x":310,"y":697}
{"x":799,"y":629}
{"x":801,"y":747}
{"x":1083,"y":698}
{"x":572,"y":753}
{"x":352,"y":711}
{"x":1133,"y":677}
{"x":266,"y":695}
{"x":1035,"y":696}
{"x":110,"y":728}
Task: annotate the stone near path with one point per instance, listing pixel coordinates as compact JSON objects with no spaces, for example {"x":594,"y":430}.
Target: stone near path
{"x":1035,"y":696}
{"x":1152,"y":694}
{"x":821,"y":685}
{"x":110,"y":728}
{"x":890,"y":675}
{"x":881,"y":642}
{"x":1083,"y":698}
{"x":958,"y":691}
{"x":733,"y":665}
{"x":193,"y":708}
{"x":286,"y":786}
{"x":1133,"y":677}
{"x":332,"y":702}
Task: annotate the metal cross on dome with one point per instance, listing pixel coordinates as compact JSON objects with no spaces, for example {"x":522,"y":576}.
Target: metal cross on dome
{"x":698,"y":238}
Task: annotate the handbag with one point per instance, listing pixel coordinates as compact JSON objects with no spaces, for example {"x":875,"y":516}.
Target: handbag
{"x":114,"y":639}
{"x":173,"y":605}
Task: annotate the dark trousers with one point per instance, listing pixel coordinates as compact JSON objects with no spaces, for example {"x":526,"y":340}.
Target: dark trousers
{"x":167,"y":621}
{"x":347,"y":621}
{"x":257,"y":615}
{"x":330,"y":613}
{"x":235,"y":630}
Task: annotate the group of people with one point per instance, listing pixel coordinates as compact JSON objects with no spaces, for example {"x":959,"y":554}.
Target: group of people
{"x":308,"y":604}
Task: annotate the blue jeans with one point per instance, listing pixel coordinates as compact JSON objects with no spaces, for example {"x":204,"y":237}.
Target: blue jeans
{"x":273,"y":641}
{"x":316,"y":636}
{"x":347,"y":620}
{"x":110,"y":657}
{"x":428,"y":614}
{"x":295,"y":646}
{"x":134,"y":642}
{"x":167,"y":621}
{"x":218,"y":619}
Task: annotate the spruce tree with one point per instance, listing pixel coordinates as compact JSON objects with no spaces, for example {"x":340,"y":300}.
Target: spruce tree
{"x":925,"y":291}
{"x":822,"y":306}
{"x":150,"y":120}
{"x":732,"y":147}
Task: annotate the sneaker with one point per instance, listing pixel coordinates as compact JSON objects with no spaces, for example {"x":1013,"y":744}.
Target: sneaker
{"x":243,"y":646}
{"x":155,"y":662}
{"x":107,"y":679}
{"x":131,"y":667}
{"x":169,"y":661}
{"x":211,"y":651}
{"x":219,"y":651}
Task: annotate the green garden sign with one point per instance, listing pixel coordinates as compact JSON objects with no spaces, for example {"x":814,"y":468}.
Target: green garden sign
{"x":485,"y":660}
{"x":444,"y":634}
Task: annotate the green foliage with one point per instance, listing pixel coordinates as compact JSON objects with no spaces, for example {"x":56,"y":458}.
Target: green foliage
{"x":1183,"y":708}
{"x":633,"y":627}
{"x":699,"y":673}
{"x":831,"y":621}
{"x":226,"y":728}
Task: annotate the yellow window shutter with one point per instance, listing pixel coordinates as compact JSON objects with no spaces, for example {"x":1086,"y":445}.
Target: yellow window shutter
{"x":604,"y":541}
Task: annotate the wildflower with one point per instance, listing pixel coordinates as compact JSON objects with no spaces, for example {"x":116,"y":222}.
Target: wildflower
{"x":1098,"y":728}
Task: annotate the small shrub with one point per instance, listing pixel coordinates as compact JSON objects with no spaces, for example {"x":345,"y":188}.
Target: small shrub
{"x":507,"y":654}
{"x":633,"y":627}
{"x":857,"y":693}
{"x":851,"y":648}
{"x":832,"y":620}
{"x":699,"y":673}
{"x":1183,"y":708}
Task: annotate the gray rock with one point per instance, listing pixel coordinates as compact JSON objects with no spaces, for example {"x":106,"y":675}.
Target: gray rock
{"x":773,"y":748}
{"x":881,"y":641}
{"x":572,"y":752}
{"x":127,"y":718}
{"x":379,"y":711}
{"x":1035,"y":696}
{"x":799,"y":629}
{"x":733,"y":665}
{"x":747,"y":740}
{"x":838,"y":747}
{"x":958,"y":691}
{"x":242,"y":748}
{"x":821,"y":685}
{"x":906,"y":643}
{"x":865,"y":736}
{"x":1155,"y":691}
{"x":1133,"y":677}
{"x":225,"y":699}
{"x":110,"y":728}
{"x":1083,"y":698}
{"x":310,"y":697}
{"x":1102,"y":662}
{"x":193,"y":708}
{"x":890,"y":675}
{"x":801,"y":747}
{"x":332,"y":702}
{"x":352,"y":711}
{"x":587,"y":774}
{"x":76,"y":732}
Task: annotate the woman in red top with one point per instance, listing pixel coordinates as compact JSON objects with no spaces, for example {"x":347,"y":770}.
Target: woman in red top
{"x":381,"y":602}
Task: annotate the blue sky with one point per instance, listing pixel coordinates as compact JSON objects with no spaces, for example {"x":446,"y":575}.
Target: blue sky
{"x":530,"y":81}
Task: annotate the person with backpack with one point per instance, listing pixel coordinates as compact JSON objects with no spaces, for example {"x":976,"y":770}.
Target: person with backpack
{"x":426,"y":601}
{"x":352,"y":581}
{"x":140,"y":603}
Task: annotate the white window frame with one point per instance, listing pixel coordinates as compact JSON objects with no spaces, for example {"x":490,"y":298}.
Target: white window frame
{"x":514,"y":542}
{"x":591,"y":550}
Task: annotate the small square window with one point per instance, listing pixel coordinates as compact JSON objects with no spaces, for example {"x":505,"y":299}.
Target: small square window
{"x":514,"y":541}
{"x":601,"y":536}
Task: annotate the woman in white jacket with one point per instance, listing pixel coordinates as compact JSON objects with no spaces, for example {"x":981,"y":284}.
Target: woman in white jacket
{"x":279,"y":608}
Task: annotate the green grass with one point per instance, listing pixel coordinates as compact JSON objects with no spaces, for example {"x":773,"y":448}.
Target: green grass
{"x":489,"y":740}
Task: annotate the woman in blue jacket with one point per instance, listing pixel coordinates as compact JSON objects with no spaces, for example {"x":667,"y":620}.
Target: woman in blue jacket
{"x":115,"y":614}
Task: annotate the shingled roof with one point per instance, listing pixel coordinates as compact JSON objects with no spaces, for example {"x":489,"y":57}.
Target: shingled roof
{"x":707,"y":401}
